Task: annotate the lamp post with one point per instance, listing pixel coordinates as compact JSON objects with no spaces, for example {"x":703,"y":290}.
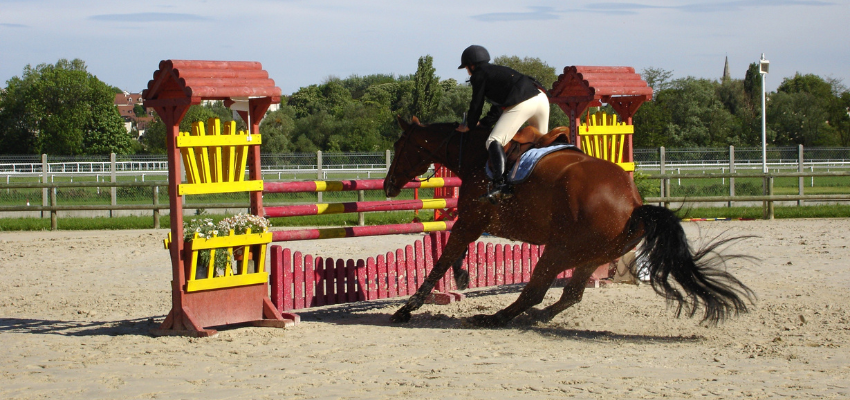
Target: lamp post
{"x":763,"y":67}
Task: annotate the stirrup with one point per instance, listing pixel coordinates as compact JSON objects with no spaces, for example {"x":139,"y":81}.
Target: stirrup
{"x":497,"y":192}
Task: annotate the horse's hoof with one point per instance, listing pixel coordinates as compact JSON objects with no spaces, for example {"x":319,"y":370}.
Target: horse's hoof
{"x":485,"y":321}
{"x":400,"y":316}
{"x":539,"y":315}
{"x":462,"y":281}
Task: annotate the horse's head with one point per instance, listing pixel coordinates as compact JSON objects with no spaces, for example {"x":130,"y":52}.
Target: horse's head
{"x":414,"y":153}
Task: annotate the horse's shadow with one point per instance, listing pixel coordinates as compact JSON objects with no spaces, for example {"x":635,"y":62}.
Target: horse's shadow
{"x":368,"y":313}
{"x":139,"y":326}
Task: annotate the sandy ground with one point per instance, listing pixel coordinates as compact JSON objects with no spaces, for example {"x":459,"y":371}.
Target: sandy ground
{"x":75,"y":309}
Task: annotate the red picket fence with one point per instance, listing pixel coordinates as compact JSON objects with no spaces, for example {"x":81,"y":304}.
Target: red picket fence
{"x":303,"y":281}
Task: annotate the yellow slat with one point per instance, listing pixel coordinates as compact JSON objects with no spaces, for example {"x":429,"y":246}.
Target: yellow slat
{"x":225,"y":140}
{"x":220,"y":187}
{"x":215,"y":131}
{"x":227,"y":281}
{"x":231,"y":241}
{"x":229,"y":152}
{"x":189,"y":161}
{"x":201,"y":153}
{"x":261,"y":259}
{"x":606,"y":130}
{"x":242,"y":159}
{"x":628,"y":167}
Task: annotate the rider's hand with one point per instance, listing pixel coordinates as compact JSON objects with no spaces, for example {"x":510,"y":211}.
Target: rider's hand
{"x":462,"y":128}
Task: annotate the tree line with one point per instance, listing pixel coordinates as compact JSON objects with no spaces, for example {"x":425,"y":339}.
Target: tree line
{"x":63,"y":109}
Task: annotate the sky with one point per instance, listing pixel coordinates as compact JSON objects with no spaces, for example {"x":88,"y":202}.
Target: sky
{"x":306,"y":42}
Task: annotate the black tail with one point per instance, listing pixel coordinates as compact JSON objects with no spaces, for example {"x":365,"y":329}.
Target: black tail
{"x":700,"y":275}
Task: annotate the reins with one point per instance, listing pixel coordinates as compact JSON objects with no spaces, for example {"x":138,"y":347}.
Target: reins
{"x":433,"y":155}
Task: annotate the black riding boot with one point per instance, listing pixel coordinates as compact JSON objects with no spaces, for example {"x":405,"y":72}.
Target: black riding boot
{"x":499,"y":188}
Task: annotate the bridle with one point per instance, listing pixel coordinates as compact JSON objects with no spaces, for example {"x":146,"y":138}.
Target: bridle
{"x":431,"y":154}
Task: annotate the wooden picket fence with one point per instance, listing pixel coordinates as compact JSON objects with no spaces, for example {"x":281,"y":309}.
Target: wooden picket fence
{"x":301,"y":281}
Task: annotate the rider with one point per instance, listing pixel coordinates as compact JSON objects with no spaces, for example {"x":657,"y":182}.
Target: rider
{"x":514,"y":99}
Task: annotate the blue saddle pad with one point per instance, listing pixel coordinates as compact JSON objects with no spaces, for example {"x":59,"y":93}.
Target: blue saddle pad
{"x":526,"y":163}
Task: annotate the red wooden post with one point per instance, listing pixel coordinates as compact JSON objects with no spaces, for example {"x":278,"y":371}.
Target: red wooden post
{"x":509,"y":264}
{"x":481,"y":254}
{"x":371,"y":279}
{"x":499,"y":273}
{"x":491,"y":265}
{"x":418,"y":247}
{"x":410,"y":268}
{"x":277,"y":267}
{"x":392,"y":275}
{"x":319,"y":267}
{"x":472,"y":265}
{"x":330,"y":288}
{"x":382,"y":277}
{"x":298,"y":282}
{"x":340,"y":281}
{"x":526,"y":262}
{"x":309,"y":279}
{"x":401,"y":272}
{"x":351,"y":280}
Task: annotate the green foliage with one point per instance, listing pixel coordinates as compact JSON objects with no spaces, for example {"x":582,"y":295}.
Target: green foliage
{"x":426,"y":90}
{"x":646,"y":187}
{"x":691,"y":112}
{"x":60,"y":109}
{"x":154,"y":140}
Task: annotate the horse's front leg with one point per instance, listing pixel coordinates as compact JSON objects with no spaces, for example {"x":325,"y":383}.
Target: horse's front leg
{"x":455,"y":250}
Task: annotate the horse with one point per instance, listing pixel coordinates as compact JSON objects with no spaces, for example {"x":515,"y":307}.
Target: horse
{"x":585,"y":210}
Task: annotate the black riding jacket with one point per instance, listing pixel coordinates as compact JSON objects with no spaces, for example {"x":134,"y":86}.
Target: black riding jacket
{"x":502,"y":87}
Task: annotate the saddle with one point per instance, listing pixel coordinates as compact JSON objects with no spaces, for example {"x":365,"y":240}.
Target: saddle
{"x":530,"y":138}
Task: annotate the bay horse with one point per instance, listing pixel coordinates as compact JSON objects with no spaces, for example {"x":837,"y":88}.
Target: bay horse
{"x":585,"y":210}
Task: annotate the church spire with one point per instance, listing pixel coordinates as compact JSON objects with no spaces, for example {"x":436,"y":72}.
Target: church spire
{"x":726,"y":75}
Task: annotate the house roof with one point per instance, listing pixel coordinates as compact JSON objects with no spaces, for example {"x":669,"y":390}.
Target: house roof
{"x":191,"y":81}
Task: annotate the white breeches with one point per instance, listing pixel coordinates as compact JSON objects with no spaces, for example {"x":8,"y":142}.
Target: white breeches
{"x":534,"y":110}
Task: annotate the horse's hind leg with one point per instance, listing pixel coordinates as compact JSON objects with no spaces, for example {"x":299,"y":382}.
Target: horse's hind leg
{"x":573,"y":292}
{"x":544,"y":274}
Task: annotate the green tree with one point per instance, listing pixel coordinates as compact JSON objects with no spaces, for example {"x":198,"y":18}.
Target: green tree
{"x":277,"y":128}
{"x":60,"y":109}
{"x":426,"y":90}
{"x":806,"y":109}
{"x":154,"y":139}
{"x":657,"y":78}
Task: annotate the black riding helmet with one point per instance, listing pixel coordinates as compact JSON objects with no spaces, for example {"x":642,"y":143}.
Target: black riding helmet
{"x":473,"y":55}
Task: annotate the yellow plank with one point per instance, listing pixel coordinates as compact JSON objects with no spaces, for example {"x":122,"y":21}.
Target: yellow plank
{"x":215,"y":131}
{"x":225,"y":140}
{"x":201,"y":153}
{"x":620,"y":150}
{"x":227,"y":281}
{"x":190,"y":162}
{"x":607,"y":130}
{"x":221,"y":187}
{"x":242,"y":158}
{"x":229,"y":152}
{"x":231,"y":241}
{"x":261,"y":259}
{"x":628,"y":167}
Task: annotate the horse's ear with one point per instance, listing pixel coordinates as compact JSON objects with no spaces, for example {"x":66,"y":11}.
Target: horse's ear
{"x":416,"y":121}
{"x":402,"y":123}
